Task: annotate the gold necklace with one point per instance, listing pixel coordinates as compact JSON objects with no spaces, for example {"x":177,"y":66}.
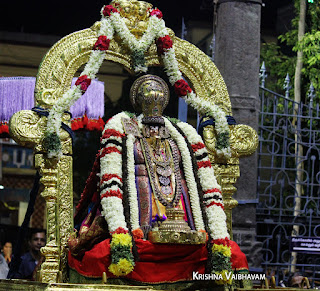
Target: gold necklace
{"x":157,"y":182}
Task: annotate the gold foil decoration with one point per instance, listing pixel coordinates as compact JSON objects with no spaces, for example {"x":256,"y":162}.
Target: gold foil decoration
{"x":175,"y":230}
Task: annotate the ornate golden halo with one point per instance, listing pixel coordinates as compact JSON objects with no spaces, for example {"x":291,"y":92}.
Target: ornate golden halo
{"x":134,"y":91}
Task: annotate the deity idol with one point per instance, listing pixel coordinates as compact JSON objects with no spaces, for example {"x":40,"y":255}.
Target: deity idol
{"x":157,"y":213}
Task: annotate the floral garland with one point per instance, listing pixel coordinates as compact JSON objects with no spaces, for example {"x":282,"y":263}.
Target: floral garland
{"x":220,"y":260}
{"x":189,"y":176}
{"x":221,"y":252}
{"x":132,"y":190}
{"x":111,"y":21}
{"x":122,"y":261}
{"x":111,"y":191}
{"x":111,"y":194}
{"x":211,"y":189}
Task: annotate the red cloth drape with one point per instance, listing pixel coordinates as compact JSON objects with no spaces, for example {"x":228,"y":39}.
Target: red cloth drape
{"x":158,"y":262}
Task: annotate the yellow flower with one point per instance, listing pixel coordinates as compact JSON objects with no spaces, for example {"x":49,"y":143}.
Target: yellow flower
{"x":226,"y":277}
{"x":123,"y":239}
{"x":225,"y":250}
{"x":122,"y":268}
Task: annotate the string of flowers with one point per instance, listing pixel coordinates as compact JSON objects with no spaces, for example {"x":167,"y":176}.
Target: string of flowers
{"x":188,"y":174}
{"x":51,"y":140}
{"x":111,"y":22}
{"x":132,"y":190}
{"x":122,"y":261}
{"x":220,"y":260}
{"x":113,"y":209}
{"x":218,"y":231}
{"x":211,"y":189}
{"x":111,"y":194}
{"x":137,"y":47}
{"x":182,"y":89}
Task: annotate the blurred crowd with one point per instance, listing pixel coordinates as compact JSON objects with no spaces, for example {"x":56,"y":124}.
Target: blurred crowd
{"x":24,"y":266}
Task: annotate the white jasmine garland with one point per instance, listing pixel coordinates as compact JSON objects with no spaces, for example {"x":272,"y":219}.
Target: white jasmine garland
{"x":111,"y":163}
{"x":171,"y":66}
{"x":156,"y":28}
{"x":208,"y":181}
{"x":132,"y":189}
{"x":106,"y":28}
{"x":216,"y":215}
{"x":113,"y":213}
{"x":154,"y":24}
{"x":72,"y":95}
{"x":94,"y":64}
{"x":189,"y":176}
{"x":115,"y":123}
{"x":204,"y":107}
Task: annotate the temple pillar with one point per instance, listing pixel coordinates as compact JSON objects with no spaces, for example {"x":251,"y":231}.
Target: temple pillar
{"x":237,"y":54}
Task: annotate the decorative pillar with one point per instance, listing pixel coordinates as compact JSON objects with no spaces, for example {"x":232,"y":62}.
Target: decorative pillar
{"x":27,"y":128}
{"x":237,"y":55}
{"x":49,"y":172}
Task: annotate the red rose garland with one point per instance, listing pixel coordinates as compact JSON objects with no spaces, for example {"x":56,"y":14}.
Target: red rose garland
{"x":119,"y":230}
{"x":182,"y":88}
{"x":84,"y":82}
{"x":164,"y":43}
{"x":156,"y":12}
{"x":108,"y":9}
{"x":102,"y":43}
{"x":221,"y":241}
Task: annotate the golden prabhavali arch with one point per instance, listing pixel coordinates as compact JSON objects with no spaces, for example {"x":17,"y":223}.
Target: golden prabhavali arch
{"x":54,"y":78}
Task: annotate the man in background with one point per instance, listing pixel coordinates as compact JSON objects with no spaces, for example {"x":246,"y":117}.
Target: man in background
{"x":31,"y":259}
{"x":4,"y":268}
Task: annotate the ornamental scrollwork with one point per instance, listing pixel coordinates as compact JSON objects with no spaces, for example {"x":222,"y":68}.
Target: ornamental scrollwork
{"x":244,"y":140}
{"x":27,"y":128}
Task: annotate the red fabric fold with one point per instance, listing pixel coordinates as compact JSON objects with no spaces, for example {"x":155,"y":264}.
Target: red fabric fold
{"x":158,"y":263}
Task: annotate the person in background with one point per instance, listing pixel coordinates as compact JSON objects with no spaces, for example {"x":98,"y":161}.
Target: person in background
{"x":4,"y":268}
{"x":30,"y":260}
{"x":7,"y":251}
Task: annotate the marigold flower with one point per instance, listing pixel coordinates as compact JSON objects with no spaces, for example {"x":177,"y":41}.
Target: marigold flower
{"x":122,"y":268}
{"x":121,"y":239}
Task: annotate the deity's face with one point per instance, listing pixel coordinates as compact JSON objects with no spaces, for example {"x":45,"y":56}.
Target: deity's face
{"x":150,"y":95}
{"x":152,"y":98}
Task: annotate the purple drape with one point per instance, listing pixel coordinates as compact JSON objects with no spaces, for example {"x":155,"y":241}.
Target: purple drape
{"x":17,"y":93}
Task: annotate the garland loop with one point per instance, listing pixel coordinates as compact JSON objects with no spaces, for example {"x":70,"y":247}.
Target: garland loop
{"x":111,"y":21}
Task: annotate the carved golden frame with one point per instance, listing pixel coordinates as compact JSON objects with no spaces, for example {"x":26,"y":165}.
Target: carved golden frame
{"x":54,"y":78}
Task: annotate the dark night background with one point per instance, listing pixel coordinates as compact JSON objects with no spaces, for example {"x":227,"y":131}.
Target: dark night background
{"x":60,"y":18}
